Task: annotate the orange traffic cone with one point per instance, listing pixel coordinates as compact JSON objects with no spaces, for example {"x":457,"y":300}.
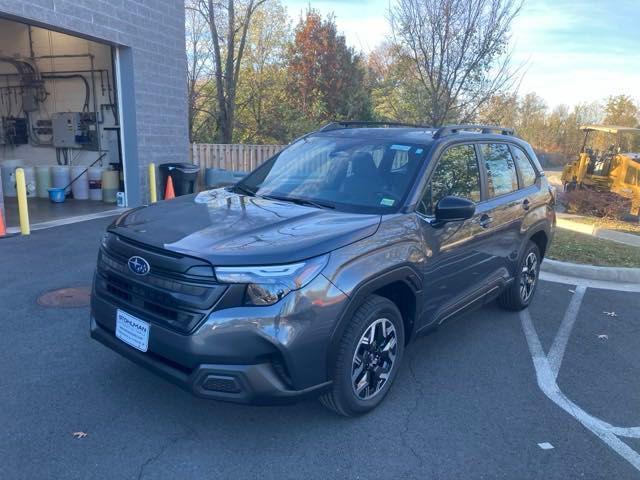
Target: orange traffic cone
{"x":3,"y":228}
{"x":168,"y":191}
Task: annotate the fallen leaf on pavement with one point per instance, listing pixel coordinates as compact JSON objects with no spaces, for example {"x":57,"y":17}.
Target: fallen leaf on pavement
{"x":79,"y":434}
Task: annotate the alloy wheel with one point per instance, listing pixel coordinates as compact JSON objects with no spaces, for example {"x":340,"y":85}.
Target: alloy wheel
{"x":528,"y":276}
{"x":374,"y":359}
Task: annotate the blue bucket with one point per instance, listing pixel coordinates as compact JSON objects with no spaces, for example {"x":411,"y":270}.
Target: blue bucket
{"x":56,"y":195}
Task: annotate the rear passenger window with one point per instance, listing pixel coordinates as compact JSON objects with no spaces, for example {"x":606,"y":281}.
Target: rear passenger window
{"x":526,"y":170}
{"x":457,"y":173}
{"x":501,"y":170}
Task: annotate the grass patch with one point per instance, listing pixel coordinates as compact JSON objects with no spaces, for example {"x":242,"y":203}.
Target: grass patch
{"x":576,"y":247}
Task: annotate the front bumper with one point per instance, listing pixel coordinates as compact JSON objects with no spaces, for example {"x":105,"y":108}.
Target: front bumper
{"x":257,"y":384}
{"x":257,"y":355}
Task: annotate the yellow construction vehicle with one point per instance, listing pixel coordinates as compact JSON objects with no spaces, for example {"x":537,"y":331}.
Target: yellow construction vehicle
{"x":607,"y":169}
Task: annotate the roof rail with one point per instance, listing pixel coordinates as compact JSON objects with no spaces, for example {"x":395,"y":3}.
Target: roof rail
{"x":348,"y":124}
{"x":451,"y":129}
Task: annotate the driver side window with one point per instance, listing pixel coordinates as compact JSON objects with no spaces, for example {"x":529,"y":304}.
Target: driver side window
{"x":457,"y":173}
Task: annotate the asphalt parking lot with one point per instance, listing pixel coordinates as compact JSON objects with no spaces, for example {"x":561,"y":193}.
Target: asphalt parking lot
{"x":549,"y":393}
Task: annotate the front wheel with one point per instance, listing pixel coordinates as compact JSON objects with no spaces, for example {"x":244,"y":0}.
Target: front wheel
{"x":368,"y":358}
{"x":520,"y":293}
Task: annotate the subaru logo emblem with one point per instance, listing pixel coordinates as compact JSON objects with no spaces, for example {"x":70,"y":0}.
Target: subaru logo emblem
{"x":138,"y":265}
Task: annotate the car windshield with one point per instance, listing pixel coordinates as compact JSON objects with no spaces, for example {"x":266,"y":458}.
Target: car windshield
{"x":362,"y":175}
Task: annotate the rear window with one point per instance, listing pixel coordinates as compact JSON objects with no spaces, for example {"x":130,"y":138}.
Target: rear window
{"x":527,"y":172}
{"x":501,"y":170}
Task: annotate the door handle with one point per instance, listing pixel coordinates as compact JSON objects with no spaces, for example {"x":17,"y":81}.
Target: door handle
{"x":526,"y":204}
{"x":485,"y":220}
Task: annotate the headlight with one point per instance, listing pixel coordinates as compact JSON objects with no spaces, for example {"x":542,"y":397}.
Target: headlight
{"x":267,"y":285}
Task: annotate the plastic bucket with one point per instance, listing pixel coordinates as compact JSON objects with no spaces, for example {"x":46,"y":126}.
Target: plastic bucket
{"x":80,"y":187}
{"x":95,"y":183}
{"x":8,"y":173}
{"x":30,"y":180}
{"x":56,"y":195}
{"x":43,"y":181}
{"x":60,"y":176}
{"x":110,"y":184}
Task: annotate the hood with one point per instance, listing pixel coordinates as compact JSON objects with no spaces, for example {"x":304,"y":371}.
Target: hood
{"x":230,"y":229}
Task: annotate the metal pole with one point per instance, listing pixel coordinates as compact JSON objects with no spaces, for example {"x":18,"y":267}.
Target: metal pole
{"x":23,"y":209}
{"x":153,"y":194}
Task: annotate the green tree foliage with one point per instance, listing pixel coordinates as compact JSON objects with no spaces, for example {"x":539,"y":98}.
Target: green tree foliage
{"x":263,"y":109}
{"x":395,"y":94}
{"x":325,"y":77}
{"x":621,"y":110}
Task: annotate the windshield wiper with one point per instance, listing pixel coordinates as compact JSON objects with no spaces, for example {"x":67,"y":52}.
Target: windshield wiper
{"x":301,"y":201}
{"x":243,"y":189}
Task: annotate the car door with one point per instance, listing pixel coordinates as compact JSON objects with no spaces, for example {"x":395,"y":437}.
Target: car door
{"x":505,"y":205}
{"x":457,"y":260}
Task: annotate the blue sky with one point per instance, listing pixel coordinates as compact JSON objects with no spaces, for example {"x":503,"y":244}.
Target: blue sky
{"x":574,"y":50}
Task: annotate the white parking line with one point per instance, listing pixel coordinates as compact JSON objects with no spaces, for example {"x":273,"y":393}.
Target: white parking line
{"x":547,"y":373}
{"x":556,"y":352}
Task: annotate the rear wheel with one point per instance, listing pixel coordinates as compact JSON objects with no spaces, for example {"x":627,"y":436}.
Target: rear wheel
{"x":520,"y":293}
{"x":368,"y":358}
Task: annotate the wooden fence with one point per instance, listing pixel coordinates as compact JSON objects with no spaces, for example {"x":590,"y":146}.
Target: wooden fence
{"x":232,"y":157}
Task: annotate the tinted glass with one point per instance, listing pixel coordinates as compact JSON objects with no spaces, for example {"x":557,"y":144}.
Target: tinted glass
{"x":527,"y":172}
{"x":354,"y":174}
{"x":631,"y":175}
{"x":456,"y":174}
{"x":501,"y":170}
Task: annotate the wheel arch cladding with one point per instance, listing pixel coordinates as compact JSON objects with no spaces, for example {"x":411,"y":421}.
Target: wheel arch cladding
{"x":401,"y":286}
{"x":541,"y":239}
{"x":405,"y":299}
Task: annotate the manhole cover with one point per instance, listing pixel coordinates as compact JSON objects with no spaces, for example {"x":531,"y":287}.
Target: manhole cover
{"x":66,"y":298}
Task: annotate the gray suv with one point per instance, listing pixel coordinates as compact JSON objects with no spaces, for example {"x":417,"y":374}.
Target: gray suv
{"x":311,"y":275}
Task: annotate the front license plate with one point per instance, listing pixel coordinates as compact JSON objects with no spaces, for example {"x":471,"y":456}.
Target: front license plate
{"x":132,"y":331}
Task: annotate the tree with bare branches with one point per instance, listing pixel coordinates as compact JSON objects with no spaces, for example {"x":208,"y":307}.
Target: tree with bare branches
{"x":228,"y":24}
{"x":200,"y":95}
{"x":460,"y":52}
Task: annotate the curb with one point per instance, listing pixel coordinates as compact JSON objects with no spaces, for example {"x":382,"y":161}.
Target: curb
{"x":570,"y":222}
{"x":591,"y":272}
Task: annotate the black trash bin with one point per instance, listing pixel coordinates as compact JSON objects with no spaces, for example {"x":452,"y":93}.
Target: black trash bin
{"x":183,"y":176}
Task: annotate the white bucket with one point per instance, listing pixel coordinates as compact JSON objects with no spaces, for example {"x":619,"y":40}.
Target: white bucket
{"x":80,"y":187}
{"x":110,"y":184}
{"x":60,"y":176}
{"x":43,"y":181}
{"x":8,"y":172}
{"x":30,"y":180}
{"x":95,"y":183}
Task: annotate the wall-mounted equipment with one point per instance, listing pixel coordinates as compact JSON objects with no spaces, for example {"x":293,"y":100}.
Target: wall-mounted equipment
{"x":14,"y":131}
{"x":75,"y":130}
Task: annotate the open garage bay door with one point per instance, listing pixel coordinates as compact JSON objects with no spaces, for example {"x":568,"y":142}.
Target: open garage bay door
{"x":59,"y":121}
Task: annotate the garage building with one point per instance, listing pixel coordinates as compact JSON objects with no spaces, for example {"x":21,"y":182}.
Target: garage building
{"x":92,"y":90}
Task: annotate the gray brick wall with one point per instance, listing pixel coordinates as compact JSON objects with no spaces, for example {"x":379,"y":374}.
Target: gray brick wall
{"x":154,"y":29}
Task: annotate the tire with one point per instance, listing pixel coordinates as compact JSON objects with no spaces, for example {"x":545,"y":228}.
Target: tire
{"x":522,"y":290}
{"x":374,"y":366}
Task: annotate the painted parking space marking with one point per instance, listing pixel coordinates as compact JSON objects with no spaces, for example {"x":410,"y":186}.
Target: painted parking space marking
{"x":556,"y":352}
{"x":548,"y":366}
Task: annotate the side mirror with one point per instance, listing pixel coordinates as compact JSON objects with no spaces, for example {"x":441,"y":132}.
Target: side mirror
{"x":454,"y":209}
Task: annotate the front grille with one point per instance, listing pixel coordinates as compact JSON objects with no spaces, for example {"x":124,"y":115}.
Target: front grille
{"x":168,"y":297}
